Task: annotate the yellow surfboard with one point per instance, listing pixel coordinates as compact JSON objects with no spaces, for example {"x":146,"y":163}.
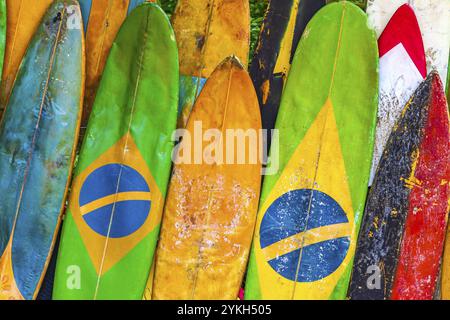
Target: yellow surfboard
{"x":23,"y":18}
{"x":212,"y":203}
{"x":207,"y":32}
{"x":445,"y":285}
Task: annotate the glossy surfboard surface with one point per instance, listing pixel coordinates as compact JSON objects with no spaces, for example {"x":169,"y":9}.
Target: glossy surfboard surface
{"x":102,"y":20}
{"x":282,"y":28}
{"x":310,"y":211}
{"x":208,"y":226}
{"x":38,"y":135}
{"x":23,"y":18}
{"x":433,"y":17}
{"x":405,"y":219}
{"x":113,"y":218}
{"x":402,"y":69}
{"x":207,"y":32}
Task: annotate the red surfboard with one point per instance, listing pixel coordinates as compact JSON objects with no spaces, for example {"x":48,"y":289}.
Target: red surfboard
{"x":402,"y":68}
{"x":423,"y":241}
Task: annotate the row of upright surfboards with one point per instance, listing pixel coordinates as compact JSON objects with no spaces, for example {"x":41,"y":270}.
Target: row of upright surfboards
{"x":358,"y":100}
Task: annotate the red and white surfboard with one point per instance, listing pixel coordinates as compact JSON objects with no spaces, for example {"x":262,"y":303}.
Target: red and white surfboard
{"x":402,"y":68}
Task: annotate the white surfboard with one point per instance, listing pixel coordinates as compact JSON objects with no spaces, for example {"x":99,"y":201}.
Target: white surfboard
{"x":433,"y":17}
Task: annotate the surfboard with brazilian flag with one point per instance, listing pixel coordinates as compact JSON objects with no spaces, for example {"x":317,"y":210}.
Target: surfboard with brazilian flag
{"x":114,"y":213}
{"x":311,"y":210}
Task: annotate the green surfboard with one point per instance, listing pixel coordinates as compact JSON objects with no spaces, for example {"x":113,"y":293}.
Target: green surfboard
{"x":310,"y":210}
{"x":114,"y":213}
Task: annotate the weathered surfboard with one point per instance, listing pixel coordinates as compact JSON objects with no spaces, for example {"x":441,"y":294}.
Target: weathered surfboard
{"x":211,"y":206}
{"x":310,"y":211}
{"x":402,"y":69}
{"x":207,"y":32}
{"x":27,"y":14}
{"x":433,"y":17}
{"x":401,"y":241}
{"x":283,"y":25}
{"x":114,"y":213}
{"x":38,"y":134}
{"x":102,"y":20}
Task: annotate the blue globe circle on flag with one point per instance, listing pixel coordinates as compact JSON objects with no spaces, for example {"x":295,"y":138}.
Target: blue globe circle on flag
{"x":111,"y":215}
{"x":287,"y":217}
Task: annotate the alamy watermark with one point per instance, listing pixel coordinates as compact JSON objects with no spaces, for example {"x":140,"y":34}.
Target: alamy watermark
{"x":227,"y":147}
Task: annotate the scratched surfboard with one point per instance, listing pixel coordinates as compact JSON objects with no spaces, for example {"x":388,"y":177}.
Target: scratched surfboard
{"x":38,"y":135}
{"x":433,"y":21}
{"x":27,"y":14}
{"x":402,"y":68}
{"x":207,"y":32}
{"x":405,"y":219}
{"x":114,"y":213}
{"x":310,"y":211}
{"x":282,"y":28}
{"x":208,"y":227}
{"x":102,"y":20}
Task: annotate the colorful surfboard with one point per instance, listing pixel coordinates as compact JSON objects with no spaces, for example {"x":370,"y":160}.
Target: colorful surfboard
{"x":38,"y":135}
{"x":211,"y":206}
{"x":283,"y":25}
{"x":401,"y":241}
{"x":114,"y":213}
{"x":207,"y":32}
{"x":102,"y":21}
{"x":402,"y":69}
{"x":433,"y":21}
{"x":310,"y":211}
{"x":27,"y":14}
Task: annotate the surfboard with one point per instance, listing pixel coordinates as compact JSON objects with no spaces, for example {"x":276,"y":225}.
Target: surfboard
{"x":207,"y":32}
{"x":113,"y":218}
{"x":38,"y":134}
{"x":402,"y":237}
{"x":102,"y":21}
{"x":402,"y":69}
{"x":27,"y":14}
{"x":282,"y":28}
{"x":433,"y":21}
{"x":212,"y":204}
{"x":310,"y":211}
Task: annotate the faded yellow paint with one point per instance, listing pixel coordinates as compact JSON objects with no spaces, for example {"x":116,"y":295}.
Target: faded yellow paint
{"x":8,"y":285}
{"x":283,"y":64}
{"x":208,"y":31}
{"x":211,"y":209}
{"x":23,"y":18}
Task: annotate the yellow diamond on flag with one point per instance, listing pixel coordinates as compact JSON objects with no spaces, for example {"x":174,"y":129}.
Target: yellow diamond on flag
{"x":115,"y":203}
{"x":304,"y":232}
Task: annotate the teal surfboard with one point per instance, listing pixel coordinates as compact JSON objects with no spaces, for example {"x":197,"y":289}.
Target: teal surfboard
{"x":38,"y":134}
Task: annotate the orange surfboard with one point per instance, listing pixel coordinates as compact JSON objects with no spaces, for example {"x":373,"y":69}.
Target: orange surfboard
{"x":212,"y":202}
{"x":23,"y":18}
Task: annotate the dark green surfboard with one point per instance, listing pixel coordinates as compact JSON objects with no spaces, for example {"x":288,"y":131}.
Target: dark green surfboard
{"x":114,"y":212}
